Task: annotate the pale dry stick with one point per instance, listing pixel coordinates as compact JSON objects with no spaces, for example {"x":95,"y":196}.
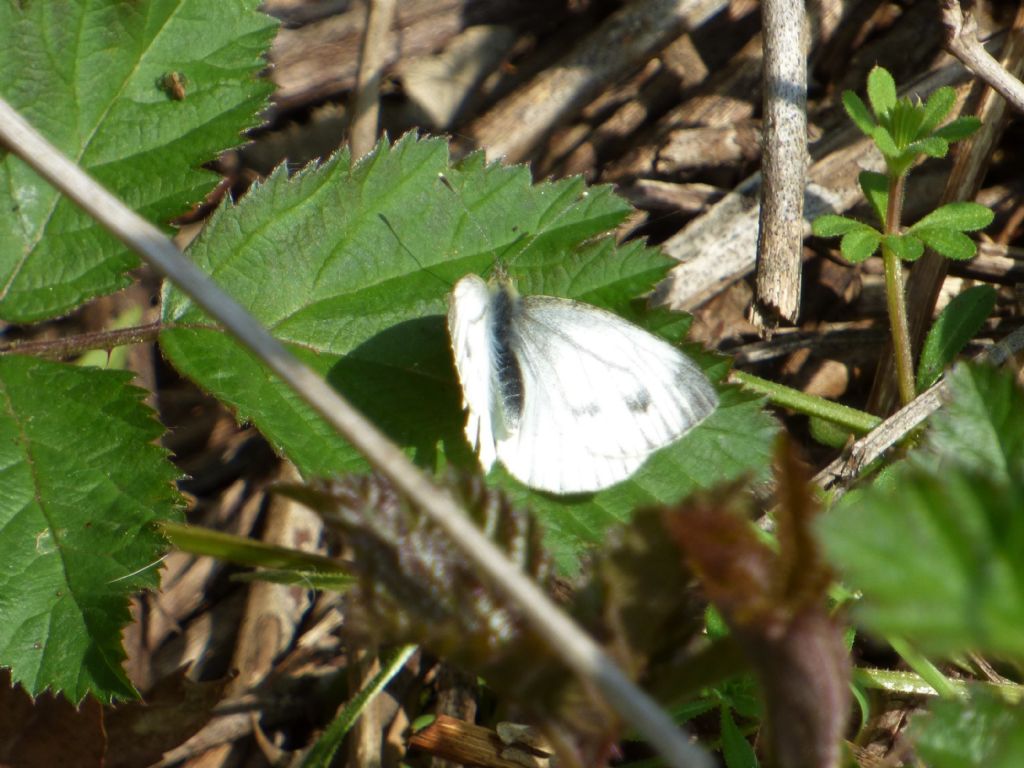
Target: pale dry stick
{"x":630,"y":36}
{"x":577,"y":650}
{"x":780,"y":232}
{"x":840,"y":472}
{"x":380,"y":15}
{"x":965,"y":179}
{"x":962,"y":42}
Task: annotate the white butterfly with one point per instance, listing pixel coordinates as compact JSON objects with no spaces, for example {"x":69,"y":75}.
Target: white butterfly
{"x":569,"y":397}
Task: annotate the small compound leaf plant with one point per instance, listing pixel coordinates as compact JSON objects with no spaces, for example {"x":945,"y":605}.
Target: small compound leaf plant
{"x":904,"y":130}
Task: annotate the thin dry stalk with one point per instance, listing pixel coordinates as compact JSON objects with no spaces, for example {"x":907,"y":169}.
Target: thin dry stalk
{"x":784,"y":166}
{"x":514,"y":129}
{"x":372,"y":60}
{"x":963,"y":43}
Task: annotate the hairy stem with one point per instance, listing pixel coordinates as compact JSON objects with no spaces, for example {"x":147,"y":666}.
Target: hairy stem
{"x":896,"y":296}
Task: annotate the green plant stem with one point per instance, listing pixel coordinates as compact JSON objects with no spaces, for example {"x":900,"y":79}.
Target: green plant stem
{"x":244,"y":551}
{"x":326,"y":747}
{"x":787,"y":397}
{"x":910,"y":683}
{"x":924,"y":668}
{"x":896,"y":295}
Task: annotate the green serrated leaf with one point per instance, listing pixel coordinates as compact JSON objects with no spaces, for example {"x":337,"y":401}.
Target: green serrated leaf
{"x":937,"y":560}
{"x":937,"y":107}
{"x":959,"y":129}
{"x":371,"y":253}
{"x":132,"y":92}
{"x":953,"y":328}
{"x":965,"y":733}
{"x":965,"y":216}
{"x":83,"y":484}
{"x":831,"y":225}
{"x":881,"y":91}
{"x":859,"y":113}
{"x":859,"y":244}
{"x":905,"y":247}
{"x":947,"y":242}
{"x":875,"y":187}
{"x":980,"y":428}
{"x":956,"y":506}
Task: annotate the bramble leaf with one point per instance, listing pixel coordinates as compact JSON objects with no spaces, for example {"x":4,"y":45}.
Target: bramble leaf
{"x":351,"y":266}
{"x":133,"y":93}
{"x":956,"y":505}
{"x":82,"y":485}
{"x":984,"y":729}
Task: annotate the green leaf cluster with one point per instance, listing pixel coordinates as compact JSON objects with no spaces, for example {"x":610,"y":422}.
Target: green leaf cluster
{"x":904,"y":129}
{"x":936,"y":545}
{"x":942,"y":230}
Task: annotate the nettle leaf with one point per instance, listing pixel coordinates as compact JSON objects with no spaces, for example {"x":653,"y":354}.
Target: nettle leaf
{"x":351,"y":267}
{"x":957,"y":505}
{"x":937,"y":107}
{"x":965,"y":216}
{"x":984,"y":729}
{"x":956,"y":325}
{"x":875,"y":187}
{"x":948,"y":242}
{"x":859,"y":113}
{"x":881,"y":91}
{"x":905,"y":247}
{"x":132,"y":92}
{"x":859,"y":244}
{"x":980,"y":427}
{"x":83,"y":484}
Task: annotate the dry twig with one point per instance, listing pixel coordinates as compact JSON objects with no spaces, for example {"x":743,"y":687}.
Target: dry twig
{"x":962,"y":42}
{"x":784,"y":166}
{"x":372,"y":59}
{"x":515,"y":128}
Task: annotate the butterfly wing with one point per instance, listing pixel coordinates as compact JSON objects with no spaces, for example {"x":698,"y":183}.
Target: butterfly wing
{"x":470,"y":334}
{"x":599,"y":396}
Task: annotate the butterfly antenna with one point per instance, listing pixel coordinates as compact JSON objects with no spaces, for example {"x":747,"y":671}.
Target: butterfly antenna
{"x":412,"y":255}
{"x":500,"y":260}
